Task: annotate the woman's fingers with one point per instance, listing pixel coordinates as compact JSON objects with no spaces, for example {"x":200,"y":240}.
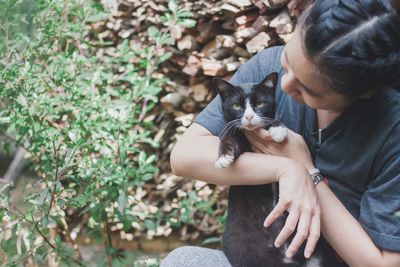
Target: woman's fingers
{"x":301,"y":234}
{"x":314,"y":234}
{"x":279,"y":209}
{"x":289,"y":228}
{"x":255,"y":141}
{"x":260,"y":134}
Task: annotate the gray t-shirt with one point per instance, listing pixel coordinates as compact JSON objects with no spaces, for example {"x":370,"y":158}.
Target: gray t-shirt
{"x":359,"y":153}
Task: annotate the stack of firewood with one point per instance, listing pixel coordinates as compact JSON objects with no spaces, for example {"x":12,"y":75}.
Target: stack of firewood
{"x":225,"y":37}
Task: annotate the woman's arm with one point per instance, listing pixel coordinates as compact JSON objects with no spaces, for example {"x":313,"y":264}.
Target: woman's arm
{"x":196,"y":151}
{"x":347,"y":236}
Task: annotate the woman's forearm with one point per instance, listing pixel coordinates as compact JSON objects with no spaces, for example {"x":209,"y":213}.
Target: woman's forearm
{"x":195,"y":159}
{"x":347,"y":236}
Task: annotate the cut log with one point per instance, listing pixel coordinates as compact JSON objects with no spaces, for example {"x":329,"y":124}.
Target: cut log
{"x":213,"y":67}
{"x":215,"y":50}
{"x":285,"y":28}
{"x":282,"y":18}
{"x":274,"y":4}
{"x":232,"y":66}
{"x":259,"y":42}
{"x":240,"y":3}
{"x":245,"y":33}
{"x":200,"y":92}
{"x":225,"y":41}
{"x":247,"y":18}
{"x":229,"y":10}
{"x":171,"y":100}
{"x":296,"y":7}
{"x":188,"y":42}
{"x":260,"y":24}
{"x":193,"y":65}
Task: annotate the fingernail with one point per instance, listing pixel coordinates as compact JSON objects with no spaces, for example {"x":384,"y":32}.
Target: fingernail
{"x":289,"y":254}
{"x":266,"y":224}
{"x":277,"y":244}
{"x":307,"y":255}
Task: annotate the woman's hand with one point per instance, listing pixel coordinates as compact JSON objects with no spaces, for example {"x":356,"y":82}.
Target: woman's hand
{"x":293,"y":146}
{"x":297,"y":195}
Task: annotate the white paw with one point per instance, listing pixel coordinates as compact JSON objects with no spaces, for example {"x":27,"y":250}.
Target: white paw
{"x":224,"y":161}
{"x":278,"y":134}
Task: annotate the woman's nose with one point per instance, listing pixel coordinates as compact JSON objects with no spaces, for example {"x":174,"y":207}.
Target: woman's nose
{"x":289,"y":84}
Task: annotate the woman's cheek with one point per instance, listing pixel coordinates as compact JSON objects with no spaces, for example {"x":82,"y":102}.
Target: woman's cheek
{"x":311,"y":102}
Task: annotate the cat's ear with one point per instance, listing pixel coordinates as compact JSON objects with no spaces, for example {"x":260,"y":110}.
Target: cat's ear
{"x":224,"y":88}
{"x":269,"y":83}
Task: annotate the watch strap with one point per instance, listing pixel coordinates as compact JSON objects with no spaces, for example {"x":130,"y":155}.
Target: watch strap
{"x":316,"y":176}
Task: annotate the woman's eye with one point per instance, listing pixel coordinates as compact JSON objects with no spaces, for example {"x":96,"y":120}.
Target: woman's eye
{"x":237,"y":106}
{"x":259,"y":104}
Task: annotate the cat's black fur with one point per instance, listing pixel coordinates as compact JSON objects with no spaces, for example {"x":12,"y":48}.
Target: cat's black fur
{"x":246,"y":242}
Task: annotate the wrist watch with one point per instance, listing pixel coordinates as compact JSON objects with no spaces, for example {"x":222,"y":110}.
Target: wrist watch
{"x":316,"y":176}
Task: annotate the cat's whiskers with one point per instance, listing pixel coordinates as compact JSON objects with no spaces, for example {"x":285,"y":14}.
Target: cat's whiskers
{"x":267,"y":121}
{"x":229,"y":126}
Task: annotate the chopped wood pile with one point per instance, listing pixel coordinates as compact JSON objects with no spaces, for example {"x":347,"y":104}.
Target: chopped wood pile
{"x":227,"y":33}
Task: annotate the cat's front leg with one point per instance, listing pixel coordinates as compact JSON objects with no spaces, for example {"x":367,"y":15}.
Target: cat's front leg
{"x":229,"y":150}
{"x":278,"y":131}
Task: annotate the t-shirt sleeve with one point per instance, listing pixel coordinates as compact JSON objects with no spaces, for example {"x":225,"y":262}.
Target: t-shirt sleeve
{"x":254,"y":70}
{"x":380,"y":204}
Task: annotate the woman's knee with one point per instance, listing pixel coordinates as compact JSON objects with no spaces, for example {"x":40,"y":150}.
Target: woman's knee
{"x":191,"y":256}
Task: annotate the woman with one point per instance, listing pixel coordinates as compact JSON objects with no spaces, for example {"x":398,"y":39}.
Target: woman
{"x":340,"y":82}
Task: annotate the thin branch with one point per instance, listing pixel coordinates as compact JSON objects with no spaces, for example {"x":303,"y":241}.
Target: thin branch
{"x":74,"y":244}
{"x":55,"y":178}
{"x":108,"y":243}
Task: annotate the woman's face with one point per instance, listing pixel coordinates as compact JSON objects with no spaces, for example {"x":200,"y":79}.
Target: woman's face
{"x":303,"y":82}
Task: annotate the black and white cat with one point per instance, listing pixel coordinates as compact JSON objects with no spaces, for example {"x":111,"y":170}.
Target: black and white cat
{"x":246,"y":242}
{"x":248,"y":106}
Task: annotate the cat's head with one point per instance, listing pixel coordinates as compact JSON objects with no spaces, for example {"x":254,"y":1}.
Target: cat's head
{"x":248,"y":106}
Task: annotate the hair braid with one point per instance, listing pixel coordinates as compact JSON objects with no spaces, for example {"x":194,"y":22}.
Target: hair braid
{"x":355,"y":43}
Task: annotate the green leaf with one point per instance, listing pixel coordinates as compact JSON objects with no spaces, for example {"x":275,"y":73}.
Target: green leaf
{"x":165,"y":57}
{"x":42,"y":197}
{"x":188,"y":23}
{"x":98,"y":17}
{"x":5,"y":120}
{"x":122,"y":202}
{"x":21,"y":99}
{"x":151,"y":225}
{"x":153,"y":32}
{"x":211,"y":240}
{"x":147,"y":177}
{"x":173,"y":6}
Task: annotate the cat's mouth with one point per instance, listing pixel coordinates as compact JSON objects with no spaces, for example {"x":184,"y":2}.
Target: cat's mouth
{"x":251,"y":127}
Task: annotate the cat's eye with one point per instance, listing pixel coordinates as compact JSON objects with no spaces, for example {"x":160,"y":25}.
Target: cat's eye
{"x":237,"y":106}
{"x":259,"y":104}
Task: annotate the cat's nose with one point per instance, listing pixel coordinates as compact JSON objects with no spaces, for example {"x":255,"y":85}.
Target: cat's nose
{"x":249,"y":116}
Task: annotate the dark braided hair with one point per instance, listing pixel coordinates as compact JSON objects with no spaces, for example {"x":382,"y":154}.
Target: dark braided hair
{"x":355,"y":44}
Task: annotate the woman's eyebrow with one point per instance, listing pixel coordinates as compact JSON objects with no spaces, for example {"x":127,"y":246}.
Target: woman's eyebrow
{"x":310,"y":91}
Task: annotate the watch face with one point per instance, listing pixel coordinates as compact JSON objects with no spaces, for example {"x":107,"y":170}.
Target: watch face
{"x":317,"y":178}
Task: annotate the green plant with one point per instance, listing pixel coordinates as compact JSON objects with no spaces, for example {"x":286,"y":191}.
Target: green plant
{"x":85,"y":121}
